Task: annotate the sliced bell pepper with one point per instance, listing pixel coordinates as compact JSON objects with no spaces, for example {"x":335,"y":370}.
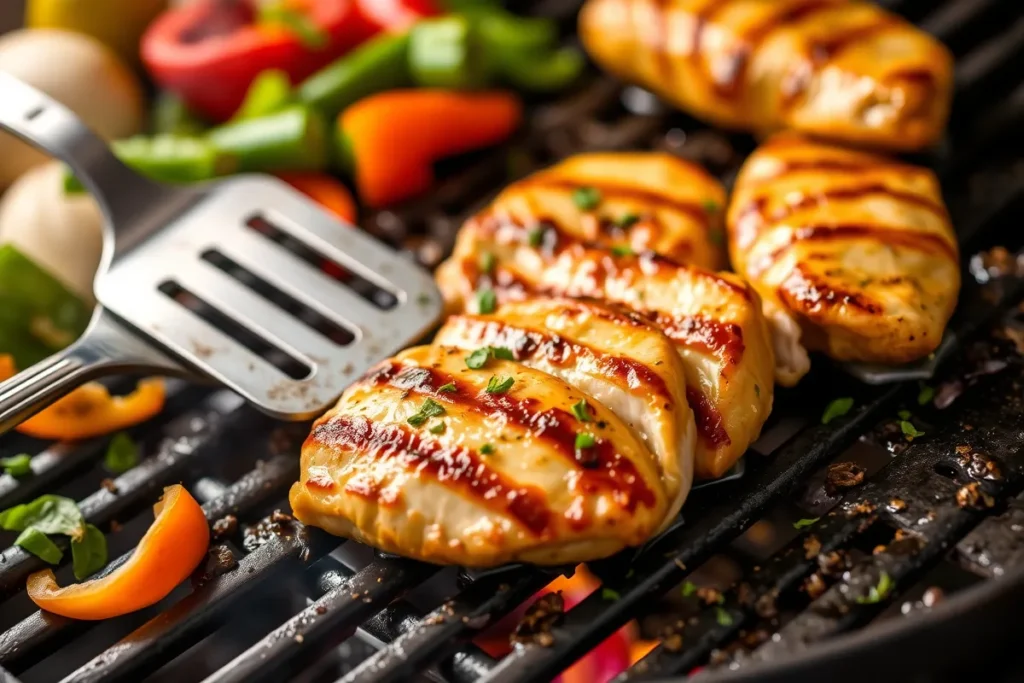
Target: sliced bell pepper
{"x":171,"y":549}
{"x":209,"y":51}
{"x":326,"y":191}
{"x":90,"y":411}
{"x":7,"y":367}
{"x":292,"y":139}
{"x":391,"y":139}
{"x":447,"y":52}
{"x":396,"y":16}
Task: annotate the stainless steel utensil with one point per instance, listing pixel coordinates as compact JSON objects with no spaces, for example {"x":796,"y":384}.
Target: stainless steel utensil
{"x":243,"y":280}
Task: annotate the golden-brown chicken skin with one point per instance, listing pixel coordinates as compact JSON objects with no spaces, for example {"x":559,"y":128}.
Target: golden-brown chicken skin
{"x":640,"y":200}
{"x":845,"y":71}
{"x":612,"y":355}
{"x":714,"y":319}
{"x":434,"y":460}
{"x":857,"y":249}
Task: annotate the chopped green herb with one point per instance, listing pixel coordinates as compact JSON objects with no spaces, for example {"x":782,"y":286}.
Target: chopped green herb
{"x":585,"y":440}
{"x":609,"y":594}
{"x":487,"y":261}
{"x":49,"y":513}
{"x":925,"y":396}
{"x":122,"y":454}
{"x":447,"y":388}
{"x":502,"y":353}
{"x":710,"y":205}
{"x":804,"y":523}
{"x":535,"y":237}
{"x":909,"y":430}
{"x":497,"y":385}
{"x":438,"y":428}
{"x":837,"y":408}
{"x":689,"y":588}
{"x":88,"y":553}
{"x":716,"y":237}
{"x":904,"y":414}
{"x":630,"y":573}
{"x":39,"y":544}
{"x":878,"y":592}
{"x":722,"y":617}
{"x":586,"y":198}
{"x":622,"y":250}
{"x":487,"y":449}
{"x":627,"y":220}
{"x":17,"y":466}
{"x":478,"y":358}
{"x":429,"y":409}
{"x":486,"y":301}
{"x":581,"y":410}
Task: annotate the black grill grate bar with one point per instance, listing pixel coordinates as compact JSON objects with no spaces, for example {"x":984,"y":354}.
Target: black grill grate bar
{"x":655,"y":570}
{"x":61,"y":460}
{"x":959,"y":24}
{"x":996,"y":545}
{"x":194,"y":435}
{"x":990,"y":65}
{"x":482,"y":603}
{"x":326,"y":622}
{"x":7,"y":677}
{"x":194,"y":616}
{"x":39,"y":634}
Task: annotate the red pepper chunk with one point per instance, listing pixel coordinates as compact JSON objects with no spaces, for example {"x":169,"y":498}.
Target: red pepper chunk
{"x":209,"y":51}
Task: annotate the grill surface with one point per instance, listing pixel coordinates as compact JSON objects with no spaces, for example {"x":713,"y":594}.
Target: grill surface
{"x":255,"y":623}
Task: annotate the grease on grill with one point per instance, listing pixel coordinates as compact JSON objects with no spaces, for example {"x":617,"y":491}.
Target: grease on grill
{"x":710,"y":596}
{"x":843,"y":475}
{"x":263,"y":531}
{"x":543,"y":615}
{"x":109,"y":485}
{"x":972,"y":496}
{"x":219,"y":560}
{"x":225,"y":527}
{"x":814,"y":586}
{"x":834,"y":563}
{"x":897,"y":505}
{"x":978,"y":466}
{"x":861,"y":508}
{"x":812,"y":547}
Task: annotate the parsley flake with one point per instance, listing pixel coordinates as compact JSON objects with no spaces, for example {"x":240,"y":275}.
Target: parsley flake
{"x":627,"y":220}
{"x":438,"y":428}
{"x":496,"y":385}
{"x":447,"y":388}
{"x":925,"y":396}
{"x":585,"y":440}
{"x":487,"y":449}
{"x":710,"y":206}
{"x":722,"y":617}
{"x":122,"y":454}
{"x":904,"y":414}
{"x":878,"y":592}
{"x":17,"y":466}
{"x":586,"y":198}
{"x":689,"y":588}
{"x":609,"y":594}
{"x":837,"y":408}
{"x":581,"y":410}
{"x":486,"y":301}
{"x":487,"y":262}
{"x":804,"y":523}
{"x":909,"y":430}
{"x":716,"y":237}
{"x":535,"y":237}
{"x":429,"y":409}
{"x":623,"y":250}
{"x":479,"y":358}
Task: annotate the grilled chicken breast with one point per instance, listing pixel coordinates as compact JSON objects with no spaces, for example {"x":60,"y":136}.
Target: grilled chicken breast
{"x":856,"y":249}
{"x":846,"y":71}
{"x":431,"y":459}
{"x":714,"y":319}
{"x":636,"y":200}
{"x":610,"y":354}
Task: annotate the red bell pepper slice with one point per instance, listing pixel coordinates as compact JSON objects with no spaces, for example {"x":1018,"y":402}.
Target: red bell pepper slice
{"x":209,"y":51}
{"x":396,"y":16}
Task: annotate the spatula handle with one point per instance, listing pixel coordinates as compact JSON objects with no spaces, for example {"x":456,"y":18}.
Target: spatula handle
{"x":45,"y":123}
{"x":105,"y":348}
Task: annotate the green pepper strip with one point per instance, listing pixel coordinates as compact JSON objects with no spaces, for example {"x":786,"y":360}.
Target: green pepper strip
{"x":270,"y":91}
{"x":377,"y":65}
{"x":293,"y":139}
{"x":448,"y":53}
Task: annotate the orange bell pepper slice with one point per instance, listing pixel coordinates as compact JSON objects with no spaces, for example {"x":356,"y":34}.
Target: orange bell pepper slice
{"x":169,"y":552}
{"x":90,"y":411}
{"x":326,"y":191}
{"x":7,"y":367}
{"x":395,"y":136}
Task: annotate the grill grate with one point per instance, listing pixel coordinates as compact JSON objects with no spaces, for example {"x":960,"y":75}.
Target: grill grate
{"x":207,"y":439}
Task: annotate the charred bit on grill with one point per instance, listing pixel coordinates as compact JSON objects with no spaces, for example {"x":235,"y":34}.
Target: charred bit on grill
{"x":897,"y":505}
{"x":843,"y":475}
{"x":745,"y":594}
{"x":833,"y":564}
{"x":765,"y":606}
{"x":814,"y":586}
{"x":219,"y":560}
{"x":109,"y":485}
{"x":543,"y":615}
{"x":259,"y":534}
{"x":812,"y":547}
{"x":978,"y":466}
{"x":860,"y":509}
{"x":710,"y":596}
{"x":974,"y":497}
{"x":225,"y":527}
{"x":671,"y":636}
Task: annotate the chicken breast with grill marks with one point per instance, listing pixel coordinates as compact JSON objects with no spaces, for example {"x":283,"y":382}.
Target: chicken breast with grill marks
{"x":714,"y":319}
{"x":636,"y":200}
{"x":846,"y":71}
{"x":610,"y":354}
{"x":431,"y":459}
{"x":855,"y":249}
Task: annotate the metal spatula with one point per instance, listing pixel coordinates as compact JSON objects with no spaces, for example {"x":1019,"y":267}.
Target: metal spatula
{"x":244,"y":280}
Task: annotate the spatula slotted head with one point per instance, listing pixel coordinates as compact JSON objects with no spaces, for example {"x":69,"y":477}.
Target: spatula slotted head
{"x":257,"y":287}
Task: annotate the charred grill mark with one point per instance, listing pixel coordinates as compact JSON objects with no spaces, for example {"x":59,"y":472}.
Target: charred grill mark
{"x":752,"y":217}
{"x":526,"y":343}
{"x":609,"y":190}
{"x":834,"y":165}
{"x":710,"y":424}
{"x":807,"y":293}
{"x":658,"y":42}
{"x":453,"y":466}
{"x":601,"y":467}
{"x":719,"y":339}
